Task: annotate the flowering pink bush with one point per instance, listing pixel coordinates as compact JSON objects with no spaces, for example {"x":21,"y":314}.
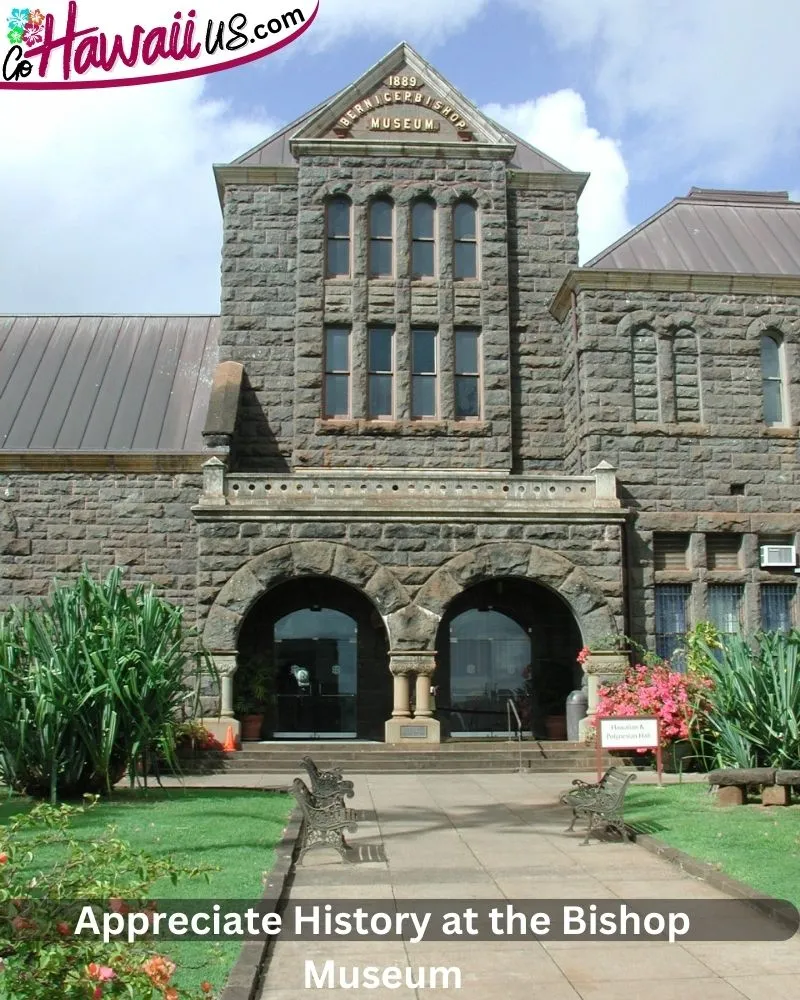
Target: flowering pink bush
{"x":657,"y":691}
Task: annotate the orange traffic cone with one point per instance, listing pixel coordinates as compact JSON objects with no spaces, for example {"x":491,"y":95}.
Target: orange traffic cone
{"x":229,"y":746}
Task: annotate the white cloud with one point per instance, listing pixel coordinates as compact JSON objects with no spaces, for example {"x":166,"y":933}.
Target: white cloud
{"x":424,"y":24}
{"x":557,"y":124}
{"x":110,"y":203}
{"x":709,"y":89}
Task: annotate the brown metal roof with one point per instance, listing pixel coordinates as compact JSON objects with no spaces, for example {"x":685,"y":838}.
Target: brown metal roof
{"x":709,"y":231}
{"x":105,"y":383}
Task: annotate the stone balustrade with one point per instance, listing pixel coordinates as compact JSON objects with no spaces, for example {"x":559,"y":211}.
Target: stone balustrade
{"x":408,"y":491}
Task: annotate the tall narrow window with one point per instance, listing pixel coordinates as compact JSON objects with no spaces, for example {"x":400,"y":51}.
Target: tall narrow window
{"x":725,"y":608}
{"x":381,"y":372}
{"x":468,"y":378}
{"x":672,"y":620}
{"x":338,"y":228}
{"x":381,"y":231}
{"x":646,"y":398}
{"x":465,"y":240}
{"x":423,"y":239}
{"x":423,"y":374}
{"x":772,"y":380}
{"x":777,"y":601}
{"x":337,"y":372}
{"x":688,"y":387}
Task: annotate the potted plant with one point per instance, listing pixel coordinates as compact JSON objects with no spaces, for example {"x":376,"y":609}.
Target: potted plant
{"x":252,"y":697}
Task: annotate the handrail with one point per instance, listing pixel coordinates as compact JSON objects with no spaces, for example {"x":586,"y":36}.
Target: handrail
{"x":511,"y":707}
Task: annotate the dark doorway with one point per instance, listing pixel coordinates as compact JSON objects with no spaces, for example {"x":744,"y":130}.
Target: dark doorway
{"x":502,"y":640}
{"x":317,"y":649}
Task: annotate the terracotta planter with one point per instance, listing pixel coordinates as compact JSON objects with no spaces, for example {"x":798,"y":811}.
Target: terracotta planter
{"x":251,"y":728}
{"x":556,"y":727}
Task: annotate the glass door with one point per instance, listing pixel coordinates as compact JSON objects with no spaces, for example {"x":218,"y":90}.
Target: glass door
{"x":490,"y":657}
{"x":316,"y":655}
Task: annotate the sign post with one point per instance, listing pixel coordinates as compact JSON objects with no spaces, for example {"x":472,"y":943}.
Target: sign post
{"x":629,"y":733}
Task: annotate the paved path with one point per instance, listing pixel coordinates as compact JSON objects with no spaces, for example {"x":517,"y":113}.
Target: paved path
{"x":501,"y":836}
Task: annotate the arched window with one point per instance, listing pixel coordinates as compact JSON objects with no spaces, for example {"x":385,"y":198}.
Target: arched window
{"x":338,"y":215}
{"x":381,"y":232}
{"x":465,"y":240}
{"x":646,"y":396}
{"x":423,"y":238}
{"x":773,"y":379}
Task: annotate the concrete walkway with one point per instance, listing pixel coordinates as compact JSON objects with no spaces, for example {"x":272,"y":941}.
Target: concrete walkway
{"x":501,"y":837}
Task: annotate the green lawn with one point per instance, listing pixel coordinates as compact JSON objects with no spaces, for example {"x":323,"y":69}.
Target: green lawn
{"x":756,"y":845}
{"x":233,"y":830}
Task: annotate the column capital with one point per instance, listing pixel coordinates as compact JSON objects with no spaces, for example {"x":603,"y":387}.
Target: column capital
{"x":412,"y":661}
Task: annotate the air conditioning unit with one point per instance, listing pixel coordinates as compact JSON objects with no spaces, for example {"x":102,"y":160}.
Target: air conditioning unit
{"x":773,"y":556}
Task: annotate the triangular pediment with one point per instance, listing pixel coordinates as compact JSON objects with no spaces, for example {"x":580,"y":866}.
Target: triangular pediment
{"x":402,"y":99}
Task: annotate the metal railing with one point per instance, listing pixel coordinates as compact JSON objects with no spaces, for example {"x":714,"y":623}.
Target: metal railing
{"x":511,"y":707}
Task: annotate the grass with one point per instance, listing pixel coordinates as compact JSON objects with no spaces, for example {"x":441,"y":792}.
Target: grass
{"x":756,"y":845}
{"x":231,"y":829}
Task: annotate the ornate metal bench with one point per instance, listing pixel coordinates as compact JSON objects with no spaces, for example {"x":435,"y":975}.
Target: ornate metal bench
{"x":324,"y":821}
{"x":327,"y":785}
{"x":603,"y":801}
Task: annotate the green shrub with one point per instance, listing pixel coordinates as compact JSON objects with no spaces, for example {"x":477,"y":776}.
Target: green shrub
{"x":752,"y":718}
{"x":47,"y":876}
{"x":91,"y":683}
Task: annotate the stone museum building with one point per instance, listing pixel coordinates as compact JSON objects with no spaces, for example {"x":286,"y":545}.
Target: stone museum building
{"x":420,"y":446}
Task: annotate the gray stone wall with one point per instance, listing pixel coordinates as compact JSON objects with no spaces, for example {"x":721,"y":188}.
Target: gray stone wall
{"x":692,"y":451}
{"x":51,"y":524}
{"x":259,"y":259}
{"x":543,"y":246}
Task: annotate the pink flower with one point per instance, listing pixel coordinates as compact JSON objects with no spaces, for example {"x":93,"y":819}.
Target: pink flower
{"x":33,"y":34}
{"x":100,"y":972}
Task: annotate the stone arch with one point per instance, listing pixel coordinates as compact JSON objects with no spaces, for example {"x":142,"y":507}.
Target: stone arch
{"x":787,"y":329}
{"x":293,"y":559}
{"x":525,"y":560}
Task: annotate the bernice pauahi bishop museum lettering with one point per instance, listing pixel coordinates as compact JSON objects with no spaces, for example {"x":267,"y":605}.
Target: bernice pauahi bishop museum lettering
{"x":420,"y":447}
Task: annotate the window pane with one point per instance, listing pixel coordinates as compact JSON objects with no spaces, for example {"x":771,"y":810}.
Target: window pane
{"x":467,"y":403}
{"x":773,"y":404}
{"x":466,"y":257}
{"x":380,"y":395}
{"x":338,"y":257}
{"x":464,"y":221}
{"x":724,"y":607}
{"x":380,"y":257}
{"x":776,"y":607}
{"x":466,"y":352}
{"x":380,"y":350}
{"x":422,"y":221}
{"x":422,"y":259}
{"x":339,"y":217}
{"x":337,"y":395}
{"x":380,"y":218}
{"x":671,"y":620}
{"x":770,"y":358}
{"x":337,"y":350}
{"x":423,"y":396}
{"x":423,"y":359}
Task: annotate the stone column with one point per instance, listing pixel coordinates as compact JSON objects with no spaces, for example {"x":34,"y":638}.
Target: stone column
{"x":226,"y":664}
{"x":601,"y":668}
{"x":423,"y":728}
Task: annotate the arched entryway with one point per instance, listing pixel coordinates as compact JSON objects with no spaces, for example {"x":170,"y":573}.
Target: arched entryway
{"x":314,"y":653}
{"x":506,"y":639}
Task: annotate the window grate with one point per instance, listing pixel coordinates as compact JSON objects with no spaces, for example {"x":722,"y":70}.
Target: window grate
{"x":672,"y":607}
{"x":725,"y":603}
{"x":777,"y":607}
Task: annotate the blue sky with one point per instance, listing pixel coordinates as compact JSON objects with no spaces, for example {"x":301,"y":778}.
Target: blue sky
{"x":113,"y":205}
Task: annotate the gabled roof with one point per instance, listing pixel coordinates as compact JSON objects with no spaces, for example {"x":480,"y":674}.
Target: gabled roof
{"x":716,"y":232}
{"x":276,"y":150}
{"x":105,"y":383}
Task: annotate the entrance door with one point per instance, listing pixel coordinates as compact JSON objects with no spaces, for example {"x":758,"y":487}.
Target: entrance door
{"x":490,"y":657}
{"x":316,"y":659}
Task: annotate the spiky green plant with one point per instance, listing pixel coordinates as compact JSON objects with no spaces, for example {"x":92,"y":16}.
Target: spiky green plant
{"x":91,"y":683}
{"x":753,"y":714}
